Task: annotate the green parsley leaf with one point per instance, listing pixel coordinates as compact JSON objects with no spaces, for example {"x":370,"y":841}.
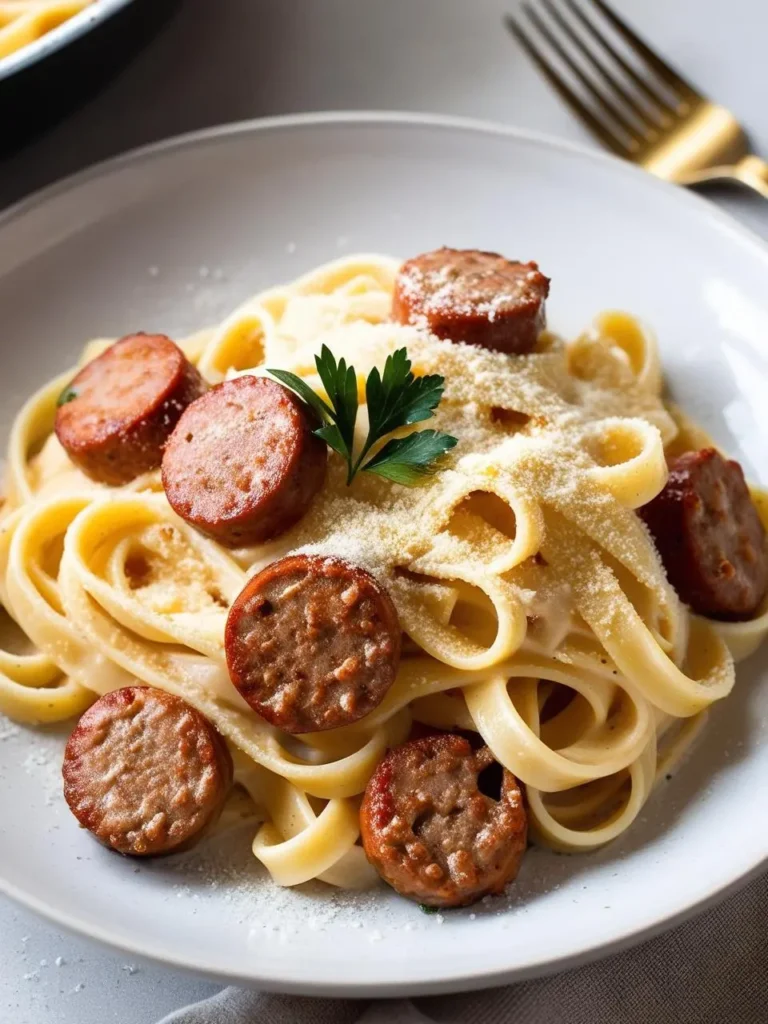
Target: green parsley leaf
{"x":395,"y":399}
{"x":399,"y":398}
{"x":426,"y":909}
{"x":67,"y":395}
{"x":407,"y":460}
{"x":340,"y":383}
{"x":303,"y":390}
{"x":332,"y":437}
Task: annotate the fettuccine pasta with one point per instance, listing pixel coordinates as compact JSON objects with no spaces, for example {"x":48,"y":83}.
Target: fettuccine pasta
{"x":535,"y":609}
{"x":24,"y":21}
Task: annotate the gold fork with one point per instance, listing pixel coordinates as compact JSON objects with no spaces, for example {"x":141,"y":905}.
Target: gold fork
{"x":647,"y":113}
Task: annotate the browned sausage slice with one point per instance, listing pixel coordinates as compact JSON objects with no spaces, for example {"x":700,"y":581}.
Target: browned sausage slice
{"x":312,"y":643}
{"x":243,"y":464}
{"x":145,"y":772}
{"x":710,"y":537}
{"x":432,"y":831}
{"x":476,"y":297}
{"x":118,"y":412}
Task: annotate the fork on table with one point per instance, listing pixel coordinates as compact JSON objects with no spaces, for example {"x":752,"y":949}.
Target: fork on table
{"x":630,"y":99}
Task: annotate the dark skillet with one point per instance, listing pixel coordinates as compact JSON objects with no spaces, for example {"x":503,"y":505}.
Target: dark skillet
{"x":46,"y":80}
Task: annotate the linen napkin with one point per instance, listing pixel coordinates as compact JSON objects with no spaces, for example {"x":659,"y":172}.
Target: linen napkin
{"x":711,"y":970}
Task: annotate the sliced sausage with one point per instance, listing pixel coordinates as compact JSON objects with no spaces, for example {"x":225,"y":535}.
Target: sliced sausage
{"x":243,"y":464}
{"x":312,"y":643}
{"x":442,"y":823}
{"x":476,"y":297}
{"x":116,"y":415}
{"x":710,"y":537}
{"x":145,"y":772}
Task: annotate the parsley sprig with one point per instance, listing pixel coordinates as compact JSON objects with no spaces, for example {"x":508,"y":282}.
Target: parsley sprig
{"x":67,"y":395}
{"x":395,"y":398}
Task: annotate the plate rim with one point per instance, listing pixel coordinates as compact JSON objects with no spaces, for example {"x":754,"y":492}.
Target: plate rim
{"x":624,"y":938}
{"x":724,"y":220}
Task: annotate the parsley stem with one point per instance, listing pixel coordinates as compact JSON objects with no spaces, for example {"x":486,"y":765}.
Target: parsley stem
{"x":369,"y":443}
{"x":366,"y":448}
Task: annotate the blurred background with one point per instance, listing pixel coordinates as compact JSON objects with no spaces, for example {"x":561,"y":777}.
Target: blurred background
{"x":214,"y":61}
{"x":228,"y":60}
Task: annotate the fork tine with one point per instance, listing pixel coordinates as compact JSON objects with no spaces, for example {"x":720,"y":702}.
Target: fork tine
{"x":667,"y":74}
{"x":643,"y":115}
{"x":644,"y":87}
{"x":595,"y":125}
{"x":596,"y":94}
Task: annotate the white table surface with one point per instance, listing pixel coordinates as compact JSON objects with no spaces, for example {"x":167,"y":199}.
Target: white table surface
{"x":232,"y":59}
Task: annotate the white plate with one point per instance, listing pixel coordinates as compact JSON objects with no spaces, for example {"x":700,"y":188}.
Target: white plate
{"x":170,"y":238}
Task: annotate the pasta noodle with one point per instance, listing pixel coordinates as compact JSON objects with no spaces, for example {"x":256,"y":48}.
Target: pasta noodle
{"x":520,"y":572}
{"x":24,"y":21}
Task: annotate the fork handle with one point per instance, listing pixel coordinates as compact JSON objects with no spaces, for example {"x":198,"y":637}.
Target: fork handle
{"x":753,"y":172}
